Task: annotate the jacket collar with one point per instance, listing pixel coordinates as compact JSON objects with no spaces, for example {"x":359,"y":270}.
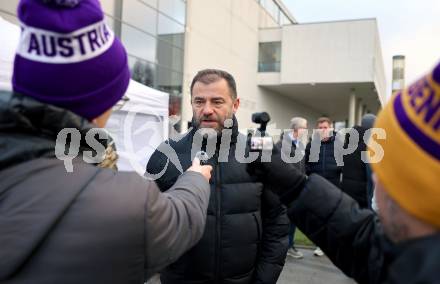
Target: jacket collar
{"x":29,"y":128}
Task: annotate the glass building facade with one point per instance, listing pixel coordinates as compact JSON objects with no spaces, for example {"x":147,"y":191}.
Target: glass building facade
{"x":276,"y":12}
{"x":153,"y":32}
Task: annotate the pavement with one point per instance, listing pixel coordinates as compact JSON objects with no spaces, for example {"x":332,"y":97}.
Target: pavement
{"x":308,"y":270}
{"x":311,"y":270}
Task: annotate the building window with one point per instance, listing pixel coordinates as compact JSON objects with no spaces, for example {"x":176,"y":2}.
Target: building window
{"x":153,"y":33}
{"x":174,"y":9}
{"x":171,"y":31}
{"x":140,"y":15}
{"x":138,"y":43}
{"x":142,"y":71}
{"x":269,"y":57}
{"x":274,"y":10}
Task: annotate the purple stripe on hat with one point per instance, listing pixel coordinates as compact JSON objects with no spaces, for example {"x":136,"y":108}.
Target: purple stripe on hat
{"x":436,"y":74}
{"x":423,"y":141}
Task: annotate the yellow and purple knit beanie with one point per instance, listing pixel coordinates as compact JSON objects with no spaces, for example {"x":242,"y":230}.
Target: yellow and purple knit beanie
{"x":410,"y":168}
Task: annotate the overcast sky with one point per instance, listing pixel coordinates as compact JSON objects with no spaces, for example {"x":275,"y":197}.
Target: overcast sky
{"x":407,"y":27}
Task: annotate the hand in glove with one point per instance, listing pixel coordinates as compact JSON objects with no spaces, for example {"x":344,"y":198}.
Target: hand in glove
{"x":282,"y":178}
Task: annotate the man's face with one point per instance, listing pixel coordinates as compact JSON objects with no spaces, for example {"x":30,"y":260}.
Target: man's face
{"x":384,"y":212}
{"x":300,"y":131}
{"x":324,"y":130}
{"x":390,"y":214}
{"x":212,"y":104}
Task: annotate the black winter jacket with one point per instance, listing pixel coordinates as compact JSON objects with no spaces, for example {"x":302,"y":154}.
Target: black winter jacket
{"x":354,"y":172}
{"x":291,"y":151}
{"x":245,"y":239}
{"x":354,"y":241}
{"x":91,"y":225}
{"x":326,"y":165}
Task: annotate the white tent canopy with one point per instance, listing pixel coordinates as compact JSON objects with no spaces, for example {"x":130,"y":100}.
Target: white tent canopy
{"x":138,"y":124}
{"x":10,"y":35}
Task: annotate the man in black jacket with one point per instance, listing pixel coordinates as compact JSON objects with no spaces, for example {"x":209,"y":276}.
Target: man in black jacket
{"x":245,"y":239}
{"x":320,"y":157}
{"x":403,"y":244}
{"x":356,"y":175}
{"x":320,"y":152}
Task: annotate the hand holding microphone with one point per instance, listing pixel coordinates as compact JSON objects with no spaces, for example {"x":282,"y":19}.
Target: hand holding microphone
{"x":205,"y":170}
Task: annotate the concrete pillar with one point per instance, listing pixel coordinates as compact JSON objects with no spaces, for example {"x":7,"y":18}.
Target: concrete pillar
{"x":360,"y":110}
{"x":352,"y":109}
{"x":188,"y":76}
{"x":117,"y":26}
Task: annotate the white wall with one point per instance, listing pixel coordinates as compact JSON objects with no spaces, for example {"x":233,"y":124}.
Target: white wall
{"x":225,"y":35}
{"x":379,"y":70}
{"x":282,"y":109}
{"x":329,"y":52}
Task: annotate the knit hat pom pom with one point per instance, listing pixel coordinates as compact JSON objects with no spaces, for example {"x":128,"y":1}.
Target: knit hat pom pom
{"x":62,"y":3}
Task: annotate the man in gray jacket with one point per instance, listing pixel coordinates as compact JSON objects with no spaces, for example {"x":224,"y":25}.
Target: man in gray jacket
{"x":69,"y":221}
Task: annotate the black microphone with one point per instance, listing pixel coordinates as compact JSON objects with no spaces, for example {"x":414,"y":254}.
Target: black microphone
{"x":202,"y":155}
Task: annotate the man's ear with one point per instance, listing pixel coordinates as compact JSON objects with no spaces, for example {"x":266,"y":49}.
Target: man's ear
{"x":101,"y":120}
{"x":235,"y":105}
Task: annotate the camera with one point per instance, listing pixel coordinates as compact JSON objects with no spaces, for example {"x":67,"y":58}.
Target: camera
{"x":259,"y":141}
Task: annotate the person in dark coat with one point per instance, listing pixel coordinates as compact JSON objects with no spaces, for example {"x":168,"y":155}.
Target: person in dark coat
{"x":292,"y":144}
{"x":356,"y":175}
{"x":245,"y":239}
{"x":65,"y":217}
{"x":320,"y":157}
{"x":320,"y":153}
{"x":400,"y":244}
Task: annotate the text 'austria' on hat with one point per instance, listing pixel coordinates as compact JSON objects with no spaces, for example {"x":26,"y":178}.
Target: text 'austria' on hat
{"x":410,"y":167}
{"x":68,"y":57}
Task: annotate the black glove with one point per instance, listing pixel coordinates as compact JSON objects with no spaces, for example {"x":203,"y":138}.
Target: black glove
{"x":282,"y":178}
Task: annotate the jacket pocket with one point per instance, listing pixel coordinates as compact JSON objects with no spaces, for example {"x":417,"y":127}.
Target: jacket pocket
{"x":259,"y":225}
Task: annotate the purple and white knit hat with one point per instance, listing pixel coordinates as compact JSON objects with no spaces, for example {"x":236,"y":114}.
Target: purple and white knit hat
{"x":68,"y":57}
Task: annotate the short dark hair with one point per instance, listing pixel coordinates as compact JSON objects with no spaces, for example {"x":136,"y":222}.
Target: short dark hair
{"x":324,"y":119}
{"x":208,"y":76}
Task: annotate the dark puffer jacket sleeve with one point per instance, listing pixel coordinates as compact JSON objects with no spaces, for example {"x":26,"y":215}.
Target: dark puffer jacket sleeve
{"x":161,"y":169}
{"x":274,"y":242}
{"x":348,"y":235}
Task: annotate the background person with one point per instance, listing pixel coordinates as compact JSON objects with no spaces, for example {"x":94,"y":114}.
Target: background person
{"x":295,"y":139}
{"x":325,"y":165}
{"x":356,"y":174}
